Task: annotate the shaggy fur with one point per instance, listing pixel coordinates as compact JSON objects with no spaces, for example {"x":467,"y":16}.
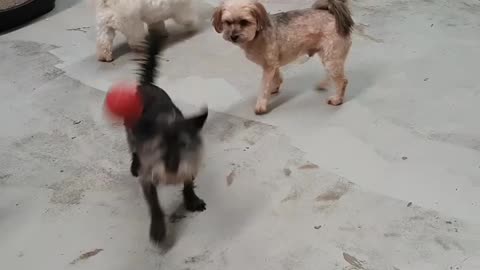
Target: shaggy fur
{"x":166,"y":147}
{"x":273,"y":41}
{"x":129,"y":17}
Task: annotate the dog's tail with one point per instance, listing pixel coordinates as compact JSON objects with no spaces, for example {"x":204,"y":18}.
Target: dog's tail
{"x":339,"y":9}
{"x":149,"y":63}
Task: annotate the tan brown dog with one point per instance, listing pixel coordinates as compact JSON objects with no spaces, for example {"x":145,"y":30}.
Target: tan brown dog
{"x":273,"y":41}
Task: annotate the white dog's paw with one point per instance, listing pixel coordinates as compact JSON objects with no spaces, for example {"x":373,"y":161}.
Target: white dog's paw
{"x":335,"y":100}
{"x":104,"y":56}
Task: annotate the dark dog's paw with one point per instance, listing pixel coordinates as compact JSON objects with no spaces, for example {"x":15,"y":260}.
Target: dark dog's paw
{"x":157,"y":231}
{"x":135,"y":166}
{"x":195,"y":205}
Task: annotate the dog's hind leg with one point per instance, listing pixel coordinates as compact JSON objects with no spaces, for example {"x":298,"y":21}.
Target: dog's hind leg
{"x":157,"y":225}
{"x":192,"y":202}
{"x":324,"y":84}
{"x":105,"y":36}
{"x":337,"y":75}
{"x":134,"y":31}
{"x":158,"y":28}
{"x":277,"y":81}
{"x":333,"y":57}
{"x":187,"y":16}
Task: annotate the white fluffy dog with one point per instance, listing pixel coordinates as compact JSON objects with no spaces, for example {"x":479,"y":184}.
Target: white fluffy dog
{"x":129,"y":17}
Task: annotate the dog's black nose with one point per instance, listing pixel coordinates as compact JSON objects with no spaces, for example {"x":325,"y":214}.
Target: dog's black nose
{"x":234,"y":37}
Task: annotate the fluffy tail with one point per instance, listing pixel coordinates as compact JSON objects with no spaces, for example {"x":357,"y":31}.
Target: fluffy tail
{"x":149,"y":63}
{"x":339,"y":9}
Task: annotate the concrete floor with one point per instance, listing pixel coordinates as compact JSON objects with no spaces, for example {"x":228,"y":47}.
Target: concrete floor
{"x":388,"y":181}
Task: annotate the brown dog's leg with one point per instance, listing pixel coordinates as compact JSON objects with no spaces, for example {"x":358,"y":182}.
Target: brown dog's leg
{"x":333,"y":55}
{"x":337,"y":75}
{"x":267,"y":88}
{"x":335,"y":68}
{"x":277,"y":80}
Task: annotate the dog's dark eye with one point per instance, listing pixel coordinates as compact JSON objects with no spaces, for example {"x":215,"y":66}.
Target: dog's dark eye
{"x":244,"y":23}
{"x":228,"y":22}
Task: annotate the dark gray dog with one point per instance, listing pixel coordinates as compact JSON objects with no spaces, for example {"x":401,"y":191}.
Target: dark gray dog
{"x":166,"y":147}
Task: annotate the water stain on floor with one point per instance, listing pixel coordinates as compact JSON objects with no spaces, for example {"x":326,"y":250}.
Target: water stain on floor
{"x":353,"y":261}
{"x":334,"y":194}
{"x":308,"y":166}
{"x":86,"y":255}
{"x":231,"y":177}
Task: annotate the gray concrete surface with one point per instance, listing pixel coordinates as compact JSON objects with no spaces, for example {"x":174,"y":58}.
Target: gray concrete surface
{"x":388,"y":181}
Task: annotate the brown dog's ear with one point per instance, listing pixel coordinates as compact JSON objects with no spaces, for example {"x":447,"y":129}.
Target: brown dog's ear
{"x":217,"y":19}
{"x":260,"y":13}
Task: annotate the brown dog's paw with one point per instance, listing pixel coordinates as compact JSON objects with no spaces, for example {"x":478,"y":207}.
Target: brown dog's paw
{"x":260,"y":110}
{"x":335,"y":100}
{"x":261,"y":107}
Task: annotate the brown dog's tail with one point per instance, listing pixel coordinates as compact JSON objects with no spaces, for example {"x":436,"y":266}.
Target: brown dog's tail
{"x":339,"y":9}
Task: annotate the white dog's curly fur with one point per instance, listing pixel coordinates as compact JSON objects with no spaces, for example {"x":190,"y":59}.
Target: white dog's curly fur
{"x":130,"y":16}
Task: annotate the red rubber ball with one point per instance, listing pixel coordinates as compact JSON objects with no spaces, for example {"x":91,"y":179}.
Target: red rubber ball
{"x":123,"y":101}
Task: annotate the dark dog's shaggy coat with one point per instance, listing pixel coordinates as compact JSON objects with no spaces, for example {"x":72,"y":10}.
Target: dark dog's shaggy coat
{"x":166,"y":147}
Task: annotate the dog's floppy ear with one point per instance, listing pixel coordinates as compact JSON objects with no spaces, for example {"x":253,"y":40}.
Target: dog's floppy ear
{"x":217,"y":19}
{"x":260,"y":13}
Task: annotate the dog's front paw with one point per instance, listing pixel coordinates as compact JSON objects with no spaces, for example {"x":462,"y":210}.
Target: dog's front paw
{"x":335,"y":100}
{"x":195,"y":205}
{"x":261,"y":107}
{"x":104,"y":57}
{"x":158,"y":231}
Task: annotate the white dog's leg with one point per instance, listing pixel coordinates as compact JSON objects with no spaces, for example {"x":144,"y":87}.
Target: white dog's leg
{"x":187,"y":16}
{"x":158,"y":28}
{"x":135,"y":34}
{"x":105,"y":36}
{"x":268,"y":84}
